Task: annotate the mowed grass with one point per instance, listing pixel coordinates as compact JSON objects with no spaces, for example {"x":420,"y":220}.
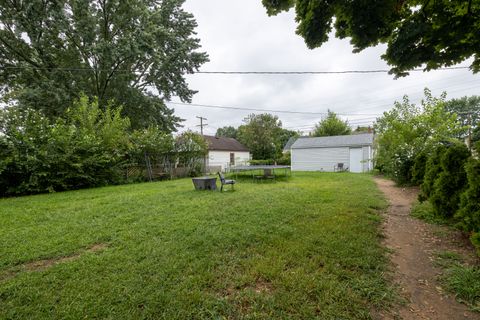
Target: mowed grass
{"x":309,"y":247}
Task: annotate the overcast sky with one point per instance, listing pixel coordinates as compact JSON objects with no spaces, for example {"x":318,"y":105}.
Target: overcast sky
{"x":239,"y":36}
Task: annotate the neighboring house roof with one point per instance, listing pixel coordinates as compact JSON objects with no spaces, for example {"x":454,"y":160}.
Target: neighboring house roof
{"x":224,"y":144}
{"x":334,"y":141}
{"x":289,"y":144}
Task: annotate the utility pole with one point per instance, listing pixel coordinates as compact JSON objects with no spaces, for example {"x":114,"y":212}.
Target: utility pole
{"x":201,"y":125}
{"x":201,"y":132}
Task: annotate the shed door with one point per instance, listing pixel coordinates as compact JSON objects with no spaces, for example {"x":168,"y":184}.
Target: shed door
{"x":356,"y":160}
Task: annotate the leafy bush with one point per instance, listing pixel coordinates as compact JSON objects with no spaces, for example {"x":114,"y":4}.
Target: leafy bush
{"x":261,"y":162}
{"x":191,"y":148}
{"x":285,"y":160}
{"x":403,"y":162}
{"x":469,"y":212}
{"x":408,"y":130}
{"x":83,"y":150}
{"x":89,"y":147}
{"x":451,"y":181}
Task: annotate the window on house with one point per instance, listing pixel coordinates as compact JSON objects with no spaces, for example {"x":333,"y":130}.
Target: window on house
{"x":232,"y":158}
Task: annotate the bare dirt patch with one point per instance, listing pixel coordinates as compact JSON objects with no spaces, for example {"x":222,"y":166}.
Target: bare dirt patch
{"x":415,"y":245}
{"x":44,"y":264}
{"x":261,"y":286}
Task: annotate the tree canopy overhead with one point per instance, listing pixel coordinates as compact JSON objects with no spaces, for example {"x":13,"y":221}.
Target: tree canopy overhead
{"x":135,"y":52}
{"x":435,"y":33}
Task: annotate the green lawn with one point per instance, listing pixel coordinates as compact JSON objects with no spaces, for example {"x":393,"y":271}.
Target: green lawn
{"x":303,"y":248}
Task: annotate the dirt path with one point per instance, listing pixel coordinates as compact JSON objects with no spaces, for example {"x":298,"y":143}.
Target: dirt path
{"x":414,"y":244}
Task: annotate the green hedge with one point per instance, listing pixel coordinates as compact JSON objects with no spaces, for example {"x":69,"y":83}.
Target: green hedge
{"x":451,"y":181}
{"x":88,"y":148}
{"x":419,"y":167}
{"x":39,"y":155}
{"x":432,"y":171}
{"x":452,"y":184}
{"x":469,"y":213}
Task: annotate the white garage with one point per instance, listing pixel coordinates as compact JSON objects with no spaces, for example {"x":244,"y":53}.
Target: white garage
{"x":225,"y":152}
{"x":355,"y":152}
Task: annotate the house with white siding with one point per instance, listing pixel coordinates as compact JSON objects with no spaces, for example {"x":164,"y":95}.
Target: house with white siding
{"x":225,"y":152}
{"x":355,"y":152}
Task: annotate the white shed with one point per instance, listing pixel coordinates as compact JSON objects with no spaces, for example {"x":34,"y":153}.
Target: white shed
{"x":325,"y":153}
{"x":225,"y":152}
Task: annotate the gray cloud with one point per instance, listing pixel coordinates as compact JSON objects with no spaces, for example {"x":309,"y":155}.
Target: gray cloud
{"x":239,"y":36}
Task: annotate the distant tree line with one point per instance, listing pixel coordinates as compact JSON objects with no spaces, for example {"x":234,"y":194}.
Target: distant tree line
{"x":264,"y":135}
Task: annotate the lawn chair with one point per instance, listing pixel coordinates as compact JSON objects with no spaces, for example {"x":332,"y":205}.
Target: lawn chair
{"x":338,"y":167}
{"x":223,"y":181}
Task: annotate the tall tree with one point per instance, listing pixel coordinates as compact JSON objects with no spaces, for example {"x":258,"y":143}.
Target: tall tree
{"x":227,"y":132}
{"x":331,"y":125}
{"x":417,"y":33}
{"x":262,"y":134}
{"x":135,"y":52}
{"x":467,"y":110}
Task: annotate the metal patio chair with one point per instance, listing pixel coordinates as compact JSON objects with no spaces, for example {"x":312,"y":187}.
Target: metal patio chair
{"x":224,"y":181}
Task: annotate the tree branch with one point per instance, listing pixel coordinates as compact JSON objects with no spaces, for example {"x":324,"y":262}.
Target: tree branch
{"x":109,"y":77}
{"x":20,"y":54}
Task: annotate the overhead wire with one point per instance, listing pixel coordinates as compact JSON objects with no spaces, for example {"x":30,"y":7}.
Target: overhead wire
{"x":264,"y":110}
{"x":264,"y":72}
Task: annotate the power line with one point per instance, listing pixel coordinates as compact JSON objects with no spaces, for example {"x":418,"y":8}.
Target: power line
{"x":237,"y":72}
{"x":321,"y":72}
{"x":267,"y":110}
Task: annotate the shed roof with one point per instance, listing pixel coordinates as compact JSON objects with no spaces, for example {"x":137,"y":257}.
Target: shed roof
{"x":334,"y":141}
{"x":289,"y":144}
{"x":224,"y":144}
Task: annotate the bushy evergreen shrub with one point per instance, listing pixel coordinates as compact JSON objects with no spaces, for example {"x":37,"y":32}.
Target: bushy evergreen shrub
{"x":469,"y":212}
{"x":419,"y":167}
{"x":432,"y":170}
{"x":451,"y":181}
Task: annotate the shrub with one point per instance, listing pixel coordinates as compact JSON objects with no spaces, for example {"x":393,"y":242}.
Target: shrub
{"x":407,"y":130}
{"x":419,"y":167}
{"x":285,"y":159}
{"x":190,"y":150}
{"x":432,"y":171}
{"x":469,"y":212}
{"x":451,"y":181}
{"x":402,"y":165}
{"x":41,"y":155}
{"x":261,"y":162}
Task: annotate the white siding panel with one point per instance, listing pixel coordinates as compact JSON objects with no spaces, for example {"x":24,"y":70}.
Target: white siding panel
{"x":319,"y":159}
{"x":222,"y":158}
